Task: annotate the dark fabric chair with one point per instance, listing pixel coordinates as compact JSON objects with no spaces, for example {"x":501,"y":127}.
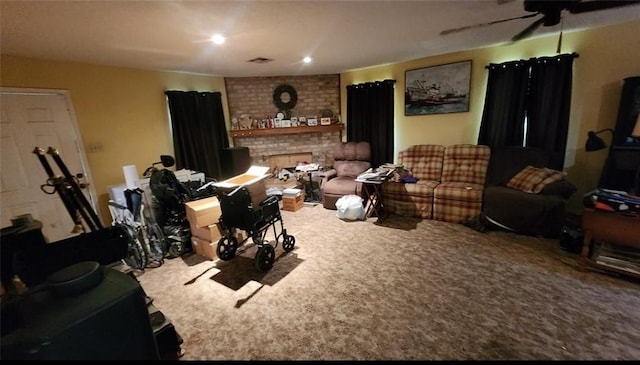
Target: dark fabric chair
{"x":541,"y":214}
{"x":350,"y":159}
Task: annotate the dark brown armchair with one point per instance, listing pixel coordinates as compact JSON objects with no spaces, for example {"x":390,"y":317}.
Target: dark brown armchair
{"x":350,"y":159}
{"x":533,"y":213}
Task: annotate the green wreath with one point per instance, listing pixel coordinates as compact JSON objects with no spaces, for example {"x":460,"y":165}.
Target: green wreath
{"x":277,"y":97}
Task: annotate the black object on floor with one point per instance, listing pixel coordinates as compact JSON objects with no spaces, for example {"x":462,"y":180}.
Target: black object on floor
{"x":167,"y":339}
{"x":571,"y":238}
{"x":82,"y":312}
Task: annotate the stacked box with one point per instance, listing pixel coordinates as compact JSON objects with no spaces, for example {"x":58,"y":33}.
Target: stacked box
{"x":204,"y":247}
{"x":211,"y":233}
{"x":203,"y":216}
{"x":292,"y":200}
{"x":253,"y":180}
{"x":203,"y":212}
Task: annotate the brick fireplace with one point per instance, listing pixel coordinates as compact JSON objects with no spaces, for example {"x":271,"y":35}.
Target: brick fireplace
{"x":253,"y":96}
{"x":319,"y":146}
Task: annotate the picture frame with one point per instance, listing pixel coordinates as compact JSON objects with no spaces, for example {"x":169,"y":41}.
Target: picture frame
{"x":312,"y":121}
{"x":438,"y":89}
{"x":325,"y":121}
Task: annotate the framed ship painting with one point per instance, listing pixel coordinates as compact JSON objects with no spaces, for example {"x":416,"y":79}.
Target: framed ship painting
{"x":438,"y":89}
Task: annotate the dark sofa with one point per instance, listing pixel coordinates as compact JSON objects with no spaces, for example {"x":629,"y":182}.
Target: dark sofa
{"x":542,"y":213}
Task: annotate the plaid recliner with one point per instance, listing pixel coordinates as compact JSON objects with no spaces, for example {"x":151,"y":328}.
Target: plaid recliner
{"x":415,"y":199}
{"x":458,"y":197}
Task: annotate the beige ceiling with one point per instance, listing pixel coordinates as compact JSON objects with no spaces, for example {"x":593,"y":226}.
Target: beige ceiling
{"x":339,"y":35}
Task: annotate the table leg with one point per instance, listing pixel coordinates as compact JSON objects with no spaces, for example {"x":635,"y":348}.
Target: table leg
{"x":369,"y":201}
{"x":311,"y":195}
{"x":379,"y":206}
{"x":584,"y":253}
{"x":373,"y":200}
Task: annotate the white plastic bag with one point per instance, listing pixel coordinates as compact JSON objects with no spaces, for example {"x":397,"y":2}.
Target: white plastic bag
{"x":349,"y":207}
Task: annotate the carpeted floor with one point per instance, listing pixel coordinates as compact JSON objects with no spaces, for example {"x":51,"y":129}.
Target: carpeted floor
{"x":397,"y":289}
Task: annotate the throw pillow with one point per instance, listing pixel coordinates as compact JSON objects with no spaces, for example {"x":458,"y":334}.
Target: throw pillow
{"x":552,"y":177}
{"x":528,"y":178}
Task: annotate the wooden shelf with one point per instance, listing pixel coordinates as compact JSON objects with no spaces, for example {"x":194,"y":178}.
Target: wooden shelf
{"x":609,"y":227}
{"x":248,"y":133}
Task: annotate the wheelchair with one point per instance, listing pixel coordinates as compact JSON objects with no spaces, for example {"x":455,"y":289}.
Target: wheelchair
{"x":238,"y":213}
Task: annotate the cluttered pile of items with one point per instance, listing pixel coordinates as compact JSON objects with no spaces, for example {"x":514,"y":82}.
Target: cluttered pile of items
{"x":616,"y":201}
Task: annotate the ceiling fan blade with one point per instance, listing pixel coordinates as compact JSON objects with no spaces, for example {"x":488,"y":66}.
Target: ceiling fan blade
{"x":528,"y":30}
{"x":456,"y":30}
{"x":587,"y":6}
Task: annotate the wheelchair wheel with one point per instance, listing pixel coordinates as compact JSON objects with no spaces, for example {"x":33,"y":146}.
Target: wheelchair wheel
{"x":265,"y":257}
{"x":137,"y":257}
{"x":227,"y":247}
{"x":288,"y":241}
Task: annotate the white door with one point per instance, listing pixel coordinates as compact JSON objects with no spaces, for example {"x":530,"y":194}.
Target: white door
{"x":31,"y":119}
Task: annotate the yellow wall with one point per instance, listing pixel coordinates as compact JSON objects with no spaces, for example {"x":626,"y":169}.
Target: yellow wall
{"x":121,"y":113}
{"x":607,"y":55}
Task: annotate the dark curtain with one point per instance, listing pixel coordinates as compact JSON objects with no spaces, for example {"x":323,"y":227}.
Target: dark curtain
{"x":370,"y":118}
{"x":199,"y":131}
{"x":505,"y":105}
{"x":549,"y":105}
{"x":528,"y":104}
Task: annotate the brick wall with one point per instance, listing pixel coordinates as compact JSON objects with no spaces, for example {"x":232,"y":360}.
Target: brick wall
{"x":320,"y":145}
{"x":254,"y":96}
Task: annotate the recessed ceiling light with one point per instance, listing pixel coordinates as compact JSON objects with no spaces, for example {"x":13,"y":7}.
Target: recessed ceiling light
{"x":217,"y":39}
{"x":306,"y":59}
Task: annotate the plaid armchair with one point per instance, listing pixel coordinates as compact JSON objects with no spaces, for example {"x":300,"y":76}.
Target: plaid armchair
{"x":415,"y":199}
{"x":459,"y":195}
{"x":537,"y":211}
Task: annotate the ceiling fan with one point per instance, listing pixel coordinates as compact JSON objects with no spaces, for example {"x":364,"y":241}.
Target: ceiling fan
{"x":549,"y":13}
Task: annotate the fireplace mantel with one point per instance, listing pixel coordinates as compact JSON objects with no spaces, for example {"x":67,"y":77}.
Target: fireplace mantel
{"x":259,"y":132}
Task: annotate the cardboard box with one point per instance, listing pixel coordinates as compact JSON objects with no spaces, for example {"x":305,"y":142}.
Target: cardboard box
{"x":253,"y":180}
{"x":211,"y":233}
{"x":204,"y":248}
{"x":292,"y":203}
{"x":196,"y":244}
{"x":203,"y":212}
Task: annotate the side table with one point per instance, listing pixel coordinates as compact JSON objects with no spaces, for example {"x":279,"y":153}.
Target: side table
{"x":612,"y":228}
{"x":373,"y":190}
{"x":312,"y":194}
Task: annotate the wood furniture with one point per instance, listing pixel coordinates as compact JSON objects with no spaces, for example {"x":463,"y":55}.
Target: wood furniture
{"x":373,"y":191}
{"x":257,"y":132}
{"x":292,"y":203}
{"x":289,"y":160}
{"x":373,"y":204}
{"x":612,"y":228}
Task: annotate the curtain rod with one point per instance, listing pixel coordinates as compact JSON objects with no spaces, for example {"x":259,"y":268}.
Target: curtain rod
{"x":374,"y":82}
{"x":573,"y":54}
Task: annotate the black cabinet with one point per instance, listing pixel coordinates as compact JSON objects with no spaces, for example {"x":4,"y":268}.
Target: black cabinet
{"x":628,"y":113}
{"x":235,"y":161}
{"x":622,"y":169}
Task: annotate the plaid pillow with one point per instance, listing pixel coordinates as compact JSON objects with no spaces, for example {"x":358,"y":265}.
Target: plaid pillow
{"x":528,"y":178}
{"x":552,"y":177}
